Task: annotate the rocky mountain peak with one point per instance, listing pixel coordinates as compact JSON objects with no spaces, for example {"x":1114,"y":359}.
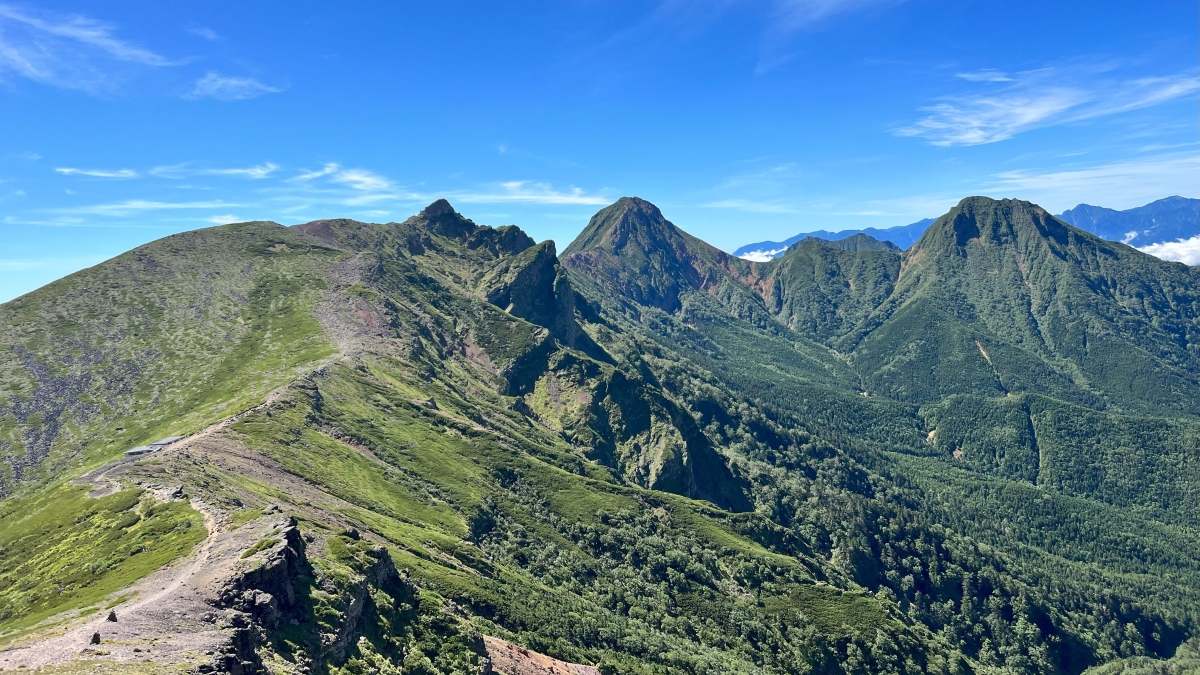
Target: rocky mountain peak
{"x":440,"y":207}
{"x":441,"y":218}
{"x":628,"y":219}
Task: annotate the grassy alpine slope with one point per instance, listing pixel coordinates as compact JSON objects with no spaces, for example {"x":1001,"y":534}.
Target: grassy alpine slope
{"x":649,"y":457}
{"x":163,"y":340}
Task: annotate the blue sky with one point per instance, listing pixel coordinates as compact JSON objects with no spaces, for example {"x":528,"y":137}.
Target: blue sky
{"x":122,"y":122}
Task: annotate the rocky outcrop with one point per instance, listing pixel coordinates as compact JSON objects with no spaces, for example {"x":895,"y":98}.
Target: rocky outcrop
{"x":381,"y":574}
{"x":273,"y":593}
{"x":621,"y":422}
{"x":510,"y":659}
{"x":267,"y":591}
{"x":531,"y":285}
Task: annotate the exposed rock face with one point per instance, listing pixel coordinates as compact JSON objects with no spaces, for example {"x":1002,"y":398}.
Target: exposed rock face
{"x":531,"y":285}
{"x":267,"y":591}
{"x":510,"y":659}
{"x":271,"y":593}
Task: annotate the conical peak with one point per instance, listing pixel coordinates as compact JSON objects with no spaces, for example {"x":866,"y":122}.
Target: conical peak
{"x":630,"y":211}
{"x":639,"y":217}
{"x":638,"y":205}
{"x":627,"y":218}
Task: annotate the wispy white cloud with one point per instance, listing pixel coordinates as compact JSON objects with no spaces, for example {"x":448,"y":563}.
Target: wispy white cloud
{"x":760,"y":185}
{"x":751,"y":206}
{"x":787,"y":17}
{"x":1156,"y":147}
{"x":1119,"y":185}
{"x":366,"y":187}
{"x":1041,"y":98}
{"x":189,"y":169}
{"x":792,"y":15}
{"x":528,"y":192}
{"x":206,"y":33}
{"x":354,"y":191}
{"x":88,"y":31}
{"x":776,"y":189}
{"x":256,"y":172}
{"x":1186,"y":251}
{"x":763,"y":255}
{"x":668,"y":22}
{"x":97,"y":173}
{"x":763,"y":172}
{"x":326,"y":170}
{"x":132,"y":206}
{"x":170,"y":171}
{"x":1141,"y":93}
{"x":987,"y":119}
{"x":75,"y":221}
{"x":225,"y":88}
{"x":336,"y":184}
{"x":66,"y":51}
{"x":363,"y":180}
{"x":985,"y":75}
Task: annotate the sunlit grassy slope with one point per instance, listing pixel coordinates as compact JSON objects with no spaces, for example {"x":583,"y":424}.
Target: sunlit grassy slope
{"x":160,"y":341}
{"x":62,"y":550}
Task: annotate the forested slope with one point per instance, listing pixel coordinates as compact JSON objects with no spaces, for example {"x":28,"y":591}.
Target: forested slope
{"x":918,"y":328}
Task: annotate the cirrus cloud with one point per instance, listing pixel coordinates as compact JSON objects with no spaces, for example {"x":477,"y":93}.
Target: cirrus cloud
{"x":1040,"y":98}
{"x":97,"y":173}
{"x":131,"y":206}
{"x":528,"y":192}
{"x":1119,"y":185}
{"x":67,"y":51}
{"x":224,"y":88}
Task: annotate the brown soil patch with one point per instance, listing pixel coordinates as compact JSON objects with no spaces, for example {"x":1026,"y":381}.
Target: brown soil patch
{"x":510,"y":659}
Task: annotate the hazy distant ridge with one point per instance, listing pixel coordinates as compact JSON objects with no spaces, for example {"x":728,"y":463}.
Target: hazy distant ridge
{"x":1164,"y":220}
{"x":902,"y":236}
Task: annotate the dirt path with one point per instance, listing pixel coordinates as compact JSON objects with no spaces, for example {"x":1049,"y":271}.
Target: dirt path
{"x":161,"y":621}
{"x":166,"y":618}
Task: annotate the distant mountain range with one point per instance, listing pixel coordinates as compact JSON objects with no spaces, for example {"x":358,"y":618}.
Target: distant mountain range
{"x":902,"y":236}
{"x":1165,"y":220}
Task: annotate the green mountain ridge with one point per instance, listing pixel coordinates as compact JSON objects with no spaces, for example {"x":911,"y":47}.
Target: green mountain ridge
{"x":1118,"y":323}
{"x":979,"y":455}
